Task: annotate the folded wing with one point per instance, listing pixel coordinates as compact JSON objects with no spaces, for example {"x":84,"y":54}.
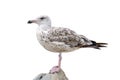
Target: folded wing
{"x":67,"y":36}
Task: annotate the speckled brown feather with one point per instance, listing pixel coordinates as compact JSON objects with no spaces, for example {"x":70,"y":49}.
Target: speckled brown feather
{"x":67,"y":36}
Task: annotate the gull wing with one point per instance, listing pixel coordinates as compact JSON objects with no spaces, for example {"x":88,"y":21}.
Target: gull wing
{"x":67,"y":36}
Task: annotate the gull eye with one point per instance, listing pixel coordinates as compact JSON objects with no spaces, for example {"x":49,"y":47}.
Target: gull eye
{"x":42,"y":18}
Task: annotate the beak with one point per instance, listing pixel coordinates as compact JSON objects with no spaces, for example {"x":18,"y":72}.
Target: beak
{"x":31,"y":21}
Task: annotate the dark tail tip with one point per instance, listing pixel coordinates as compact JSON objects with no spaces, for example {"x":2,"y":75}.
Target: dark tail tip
{"x":98,"y":45}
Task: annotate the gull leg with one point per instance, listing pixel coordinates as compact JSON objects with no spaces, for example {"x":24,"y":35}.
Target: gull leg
{"x":60,"y":58}
{"x":56,"y":69}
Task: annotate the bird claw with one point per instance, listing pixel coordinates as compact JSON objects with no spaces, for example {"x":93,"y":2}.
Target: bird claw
{"x":55,"y":69}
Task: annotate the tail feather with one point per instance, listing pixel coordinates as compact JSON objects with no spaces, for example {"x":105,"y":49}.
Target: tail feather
{"x":96,"y":45}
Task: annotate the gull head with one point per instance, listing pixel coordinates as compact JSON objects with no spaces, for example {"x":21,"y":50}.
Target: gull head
{"x":42,"y":20}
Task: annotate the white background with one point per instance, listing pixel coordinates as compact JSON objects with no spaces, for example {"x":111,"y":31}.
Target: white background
{"x":22,"y":57}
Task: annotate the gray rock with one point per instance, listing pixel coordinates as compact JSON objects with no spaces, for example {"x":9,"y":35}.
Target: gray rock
{"x":49,"y":76}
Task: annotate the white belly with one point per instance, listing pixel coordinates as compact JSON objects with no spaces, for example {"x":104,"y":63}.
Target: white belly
{"x":57,"y":47}
{"x":54,"y":46}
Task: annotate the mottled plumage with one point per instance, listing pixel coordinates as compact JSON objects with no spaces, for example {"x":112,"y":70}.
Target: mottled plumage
{"x":67,"y":36}
{"x":58,"y":39}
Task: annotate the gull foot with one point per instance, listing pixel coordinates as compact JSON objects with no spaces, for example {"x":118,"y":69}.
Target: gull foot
{"x":55,"y":69}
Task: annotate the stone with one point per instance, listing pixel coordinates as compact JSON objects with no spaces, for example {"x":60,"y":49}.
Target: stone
{"x":52,"y":76}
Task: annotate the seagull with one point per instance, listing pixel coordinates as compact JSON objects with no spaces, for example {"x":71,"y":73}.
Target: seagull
{"x":60,"y":40}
